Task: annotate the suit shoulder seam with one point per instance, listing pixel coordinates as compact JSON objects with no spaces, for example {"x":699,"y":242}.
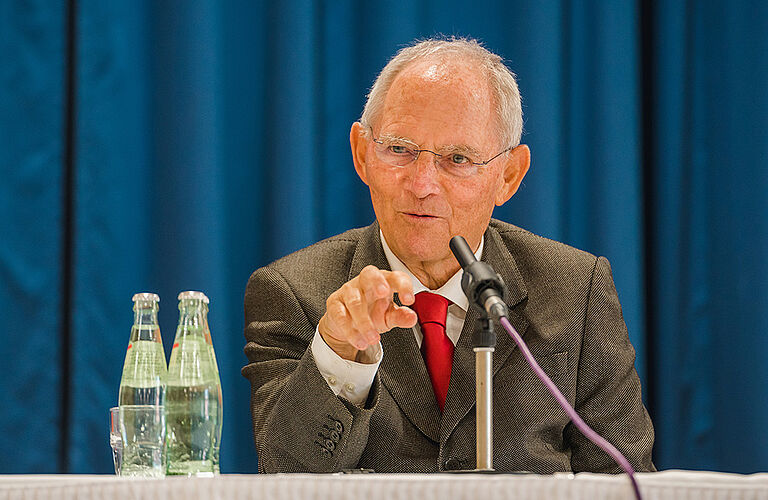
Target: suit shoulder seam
{"x":550,"y":241}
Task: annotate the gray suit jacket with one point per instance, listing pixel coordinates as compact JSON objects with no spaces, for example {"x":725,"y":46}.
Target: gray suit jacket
{"x":562,"y":301}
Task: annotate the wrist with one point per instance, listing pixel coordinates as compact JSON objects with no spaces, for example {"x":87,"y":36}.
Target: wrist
{"x":345,"y":350}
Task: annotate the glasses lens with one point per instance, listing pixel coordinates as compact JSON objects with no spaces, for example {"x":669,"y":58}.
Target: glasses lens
{"x":457,"y":165}
{"x":396,"y":154}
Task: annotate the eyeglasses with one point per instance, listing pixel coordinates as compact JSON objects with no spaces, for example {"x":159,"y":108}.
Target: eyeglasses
{"x":453,"y":160}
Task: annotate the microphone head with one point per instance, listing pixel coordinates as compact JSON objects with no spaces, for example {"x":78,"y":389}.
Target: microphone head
{"x":461,"y":251}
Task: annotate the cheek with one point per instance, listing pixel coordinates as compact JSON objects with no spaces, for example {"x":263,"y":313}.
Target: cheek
{"x":472,"y":205}
{"x":478,"y":195}
{"x":384,"y":183}
{"x":384,"y":190}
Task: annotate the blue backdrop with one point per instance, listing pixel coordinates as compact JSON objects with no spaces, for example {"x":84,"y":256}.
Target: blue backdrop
{"x":174,"y":145}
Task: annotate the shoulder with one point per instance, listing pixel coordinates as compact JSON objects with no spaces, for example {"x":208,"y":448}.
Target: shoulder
{"x":544,"y":260}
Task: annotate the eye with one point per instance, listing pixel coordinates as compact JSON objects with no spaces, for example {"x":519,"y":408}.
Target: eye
{"x":460,"y":159}
{"x":398,"y":149}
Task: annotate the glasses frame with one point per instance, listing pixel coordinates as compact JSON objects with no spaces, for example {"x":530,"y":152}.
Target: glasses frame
{"x":418,"y":152}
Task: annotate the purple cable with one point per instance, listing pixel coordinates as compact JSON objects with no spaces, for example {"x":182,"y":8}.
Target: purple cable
{"x":580,"y":424}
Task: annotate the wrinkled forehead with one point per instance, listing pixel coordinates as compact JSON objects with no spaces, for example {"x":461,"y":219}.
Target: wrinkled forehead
{"x":444,"y":78}
{"x":447,"y":94}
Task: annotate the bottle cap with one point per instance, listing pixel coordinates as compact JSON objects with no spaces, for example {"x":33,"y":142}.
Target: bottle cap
{"x":146,"y":297}
{"x":191,"y":294}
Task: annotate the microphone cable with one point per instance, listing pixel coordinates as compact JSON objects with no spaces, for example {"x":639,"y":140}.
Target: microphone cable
{"x":575,"y":418}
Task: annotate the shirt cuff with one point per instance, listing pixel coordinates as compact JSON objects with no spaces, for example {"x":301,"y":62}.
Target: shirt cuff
{"x":349,"y":379}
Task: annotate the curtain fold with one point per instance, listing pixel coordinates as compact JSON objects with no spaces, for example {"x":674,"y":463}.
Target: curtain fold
{"x":32,"y":130}
{"x":710,"y":281}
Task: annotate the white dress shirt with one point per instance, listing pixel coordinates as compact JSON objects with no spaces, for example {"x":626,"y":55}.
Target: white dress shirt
{"x":352,"y":380}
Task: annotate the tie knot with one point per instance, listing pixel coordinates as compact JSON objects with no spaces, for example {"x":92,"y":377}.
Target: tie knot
{"x":431,"y":308}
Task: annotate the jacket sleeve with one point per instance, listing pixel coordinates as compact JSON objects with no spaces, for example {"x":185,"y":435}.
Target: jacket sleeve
{"x":299,"y":424}
{"x":608,"y":393}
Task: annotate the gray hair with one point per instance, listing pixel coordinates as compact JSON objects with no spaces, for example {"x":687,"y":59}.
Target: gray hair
{"x":502,"y":81}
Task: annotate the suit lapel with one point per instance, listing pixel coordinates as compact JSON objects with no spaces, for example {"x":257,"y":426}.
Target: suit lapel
{"x":404,"y":373}
{"x":461,"y":391}
{"x":402,"y":369}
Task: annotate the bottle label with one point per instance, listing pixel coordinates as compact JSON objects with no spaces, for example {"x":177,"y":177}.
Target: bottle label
{"x":191,"y":363}
{"x":144,"y":364}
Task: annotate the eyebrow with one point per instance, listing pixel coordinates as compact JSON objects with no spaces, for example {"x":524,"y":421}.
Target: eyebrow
{"x":396,"y":138}
{"x":459,"y":148}
{"x":448,"y":149}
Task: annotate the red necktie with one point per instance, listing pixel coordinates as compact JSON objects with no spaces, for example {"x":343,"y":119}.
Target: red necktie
{"x":432,"y":310}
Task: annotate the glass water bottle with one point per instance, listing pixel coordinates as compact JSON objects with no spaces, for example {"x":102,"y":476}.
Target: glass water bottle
{"x":141,"y":415}
{"x":192,"y":396}
{"x":144,"y":371}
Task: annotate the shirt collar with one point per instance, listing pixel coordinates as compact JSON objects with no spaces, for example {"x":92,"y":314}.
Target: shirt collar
{"x":451,"y":290}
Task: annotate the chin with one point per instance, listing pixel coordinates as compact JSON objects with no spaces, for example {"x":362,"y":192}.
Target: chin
{"x":426,"y":247}
{"x":417,"y":242}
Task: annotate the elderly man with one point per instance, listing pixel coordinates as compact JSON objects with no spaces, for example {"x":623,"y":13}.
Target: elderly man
{"x":359,"y":346}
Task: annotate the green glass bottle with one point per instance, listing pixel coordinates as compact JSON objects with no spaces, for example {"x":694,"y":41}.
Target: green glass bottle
{"x":191,"y":400}
{"x":144,"y":369}
{"x":142,"y":392}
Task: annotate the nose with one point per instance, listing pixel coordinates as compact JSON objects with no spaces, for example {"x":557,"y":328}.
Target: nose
{"x":423,"y":175}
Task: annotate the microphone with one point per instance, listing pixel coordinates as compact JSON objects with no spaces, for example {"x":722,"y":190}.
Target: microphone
{"x":484,"y":288}
{"x":480,"y":283}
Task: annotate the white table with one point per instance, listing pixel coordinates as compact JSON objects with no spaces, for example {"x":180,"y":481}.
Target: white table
{"x":677,"y":485}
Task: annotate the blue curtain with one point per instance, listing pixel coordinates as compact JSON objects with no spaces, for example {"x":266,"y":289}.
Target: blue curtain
{"x":709,"y":212}
{"x":174,"y":145}
{"x":32,"y":109}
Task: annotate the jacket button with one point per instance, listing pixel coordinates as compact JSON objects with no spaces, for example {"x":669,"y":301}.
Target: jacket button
{"x":452,"y":464}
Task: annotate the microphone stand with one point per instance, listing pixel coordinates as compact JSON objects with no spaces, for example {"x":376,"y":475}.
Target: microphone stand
{"x":485,"y":290}
{"x":484,"y":343}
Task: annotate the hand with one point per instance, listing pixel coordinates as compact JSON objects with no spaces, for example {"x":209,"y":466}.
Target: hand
{"x":363,"y":308}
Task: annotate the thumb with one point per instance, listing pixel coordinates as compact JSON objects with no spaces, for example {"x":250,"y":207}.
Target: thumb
{"x":401,"y":317}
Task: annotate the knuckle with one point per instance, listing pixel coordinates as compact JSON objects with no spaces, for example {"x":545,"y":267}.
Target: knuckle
{"x":367,"y":273}
{"x":369,"y":270}
{"x":381,"y":281}
{"x":353,"y":298}
{"x":339,"y":312}
{"x":370,"y":276}
{"x":400,"y":277}
{"x":331,"y":300}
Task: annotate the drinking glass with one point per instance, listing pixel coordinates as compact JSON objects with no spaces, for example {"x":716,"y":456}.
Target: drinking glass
{"x":142,"y":429}
{"x":115,"y":440}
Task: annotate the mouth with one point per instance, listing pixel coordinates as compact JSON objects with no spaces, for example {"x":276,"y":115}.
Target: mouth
{"x":417,"y":215}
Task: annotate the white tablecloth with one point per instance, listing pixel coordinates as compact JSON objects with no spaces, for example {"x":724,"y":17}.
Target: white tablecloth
{"x":678,"y":485}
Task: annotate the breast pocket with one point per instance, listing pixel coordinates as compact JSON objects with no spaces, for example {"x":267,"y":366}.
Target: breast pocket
{"x":516,"y":370}
{"x":554,"y":364}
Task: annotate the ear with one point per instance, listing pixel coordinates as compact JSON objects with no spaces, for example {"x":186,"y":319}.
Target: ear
{"x":358,"y":140}
{"x":516,"y":166}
